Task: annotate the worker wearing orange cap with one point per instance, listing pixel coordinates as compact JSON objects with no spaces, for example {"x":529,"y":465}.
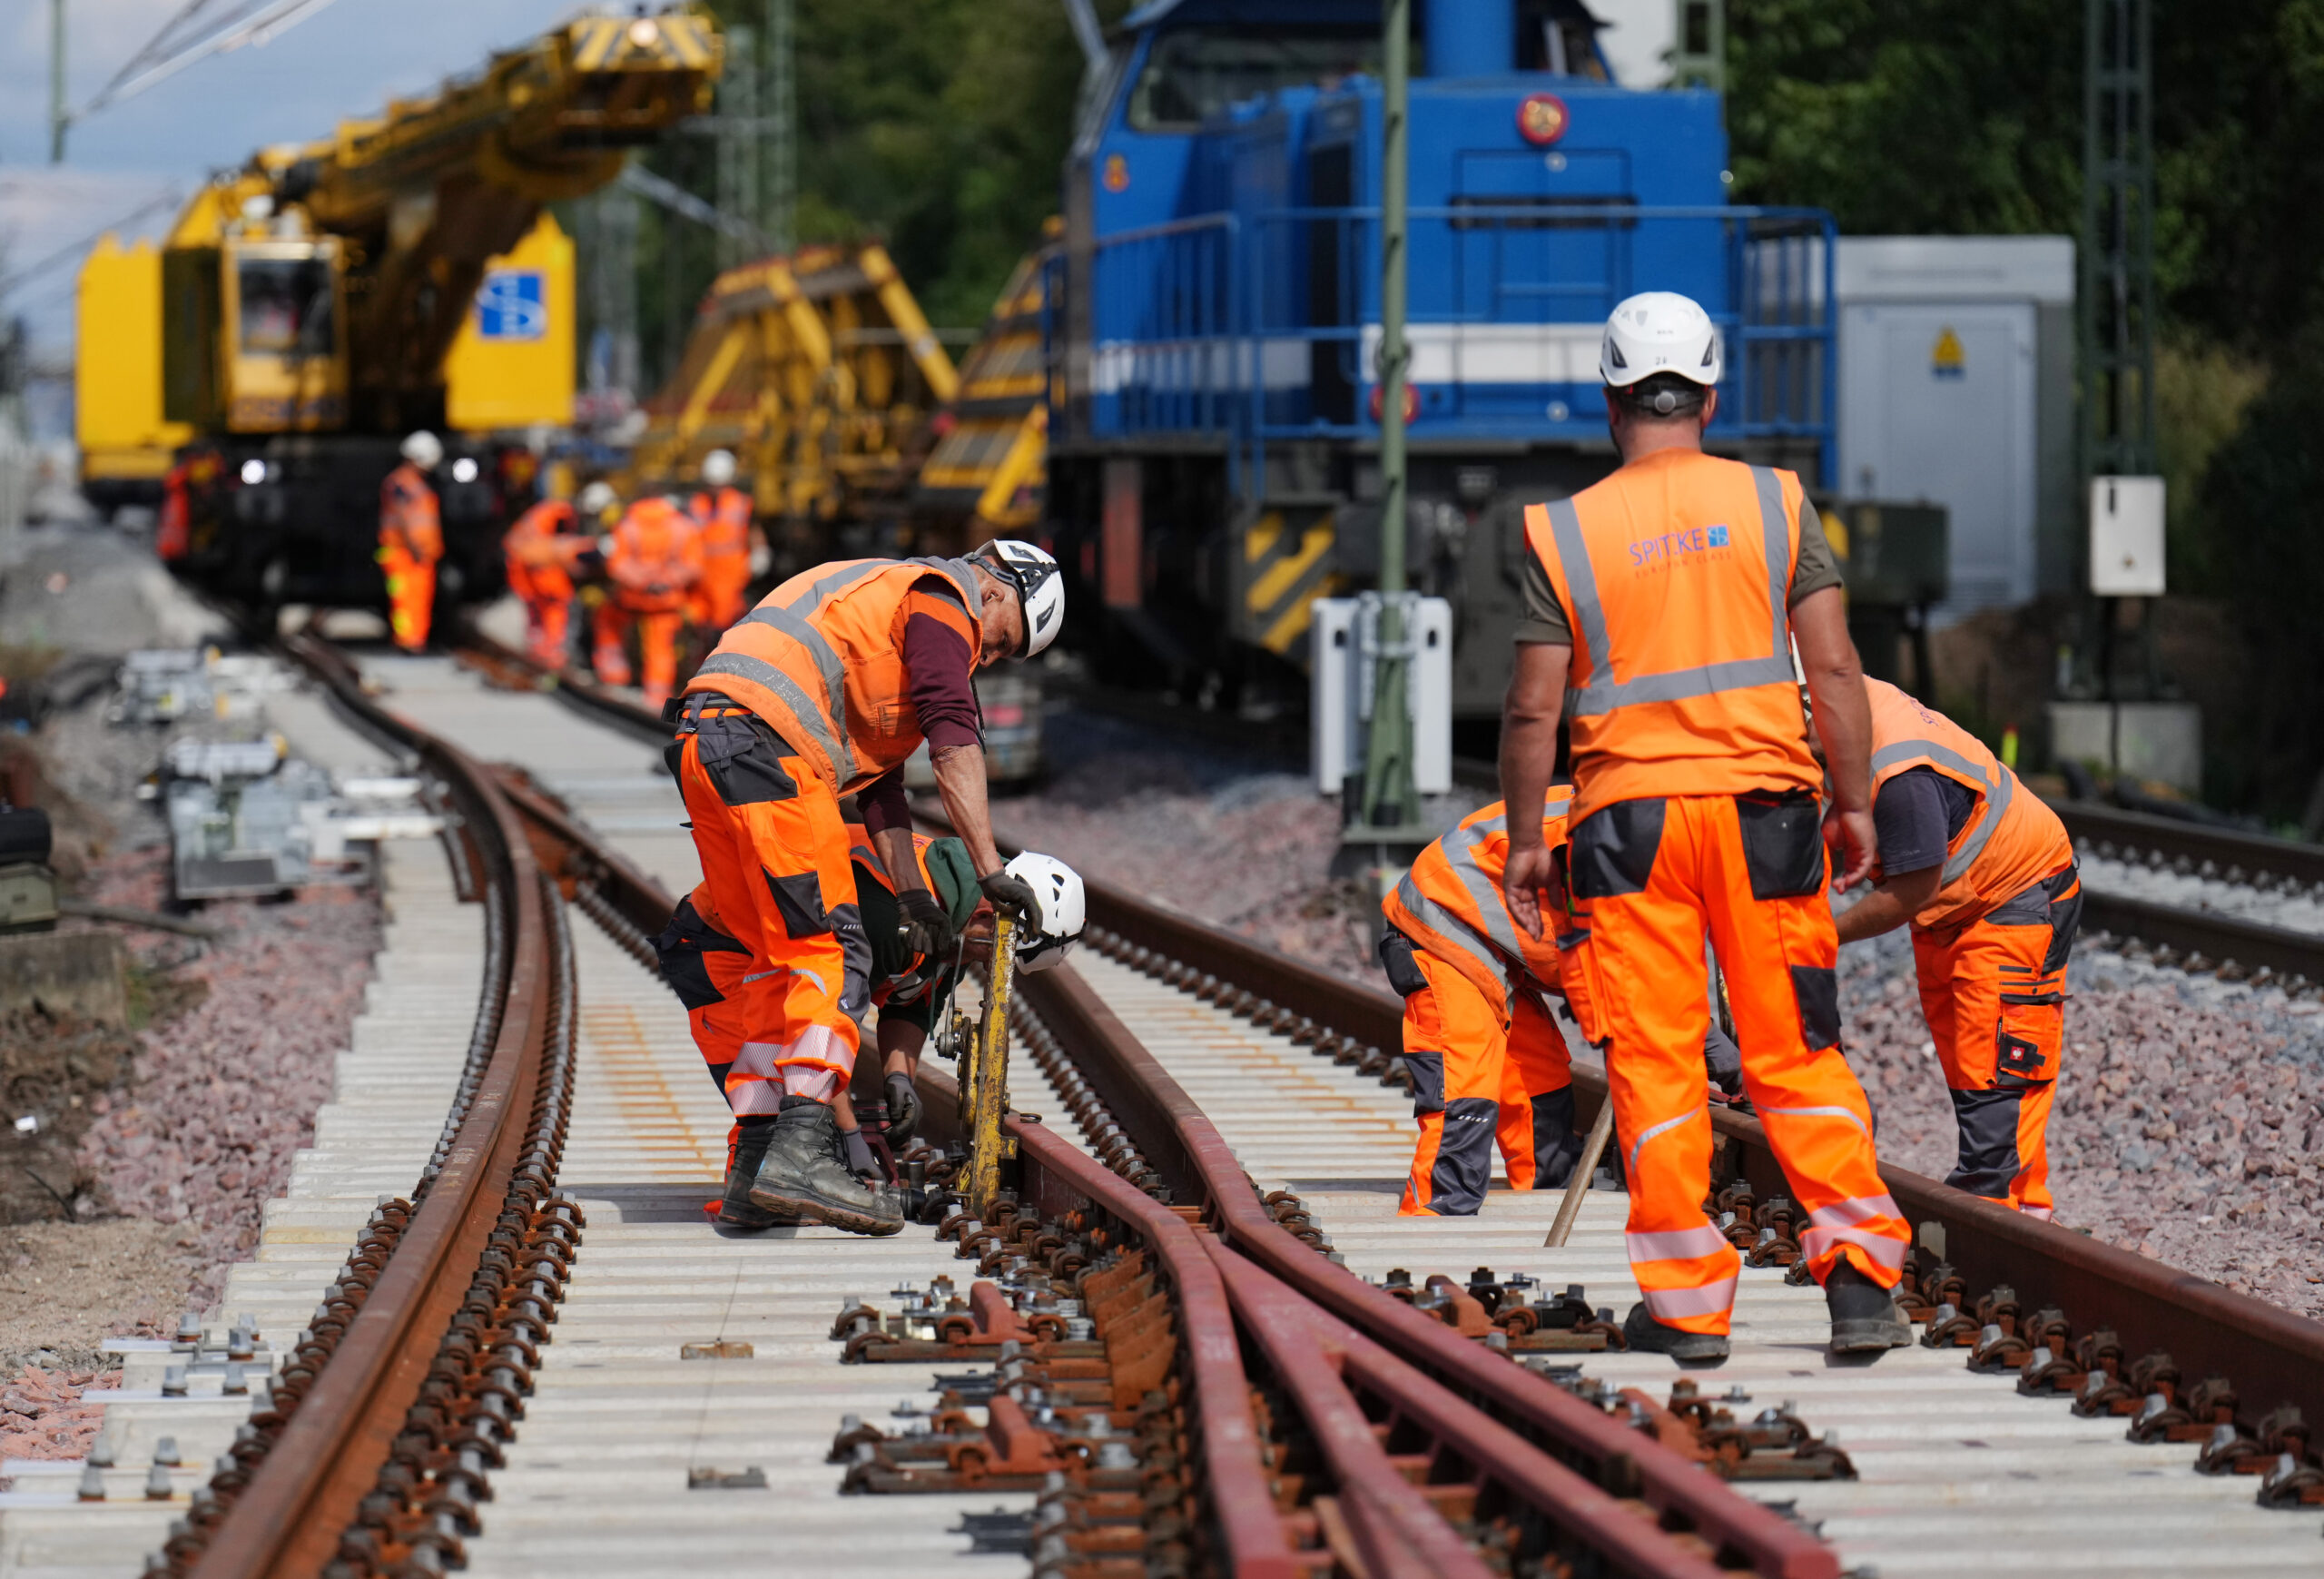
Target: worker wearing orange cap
{"x":653,"y":560}
{"x":1489,"y":1063}
{"x":1985,"y":875}
{"x":542,"y":549}
{"x":723,"y":514}
{"x":412,"y":540}
{"x":1669,"y":594}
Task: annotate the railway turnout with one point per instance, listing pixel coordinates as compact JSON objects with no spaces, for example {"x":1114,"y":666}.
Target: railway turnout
{"x":492,"y":1327}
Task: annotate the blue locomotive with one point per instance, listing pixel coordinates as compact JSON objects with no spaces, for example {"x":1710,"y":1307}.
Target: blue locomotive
{"x":1213,"y":317}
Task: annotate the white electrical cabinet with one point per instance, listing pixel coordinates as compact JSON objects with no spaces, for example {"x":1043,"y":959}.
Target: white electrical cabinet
{"x":2126,"y":520}
{"x":1343,"y":630}
{"x":1952,"y":352}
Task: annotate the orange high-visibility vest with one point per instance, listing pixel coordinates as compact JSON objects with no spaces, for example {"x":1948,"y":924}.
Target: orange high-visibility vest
{"x":534,"y":541}
{"x":655,"y":557}
{"x":867,"y":855}
{"x":2010,"y":843}
{"x":821,"y":660}
{"x":724,"y":519}
{"x":1450,"y":904}
{"x":408,"y":515}
{"x":1675,"y":574}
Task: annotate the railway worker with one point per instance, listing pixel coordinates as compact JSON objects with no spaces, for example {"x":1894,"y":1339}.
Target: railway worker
{"x":723,"y":514}
{"x":1488,"y":1064}
{"x":823,"y":690}
{"x":543,"y":549}
{"x":1985,"y":874}
{"x":412,"y":540}
{"x":1669,"y":595}
{"x":653,"y":560}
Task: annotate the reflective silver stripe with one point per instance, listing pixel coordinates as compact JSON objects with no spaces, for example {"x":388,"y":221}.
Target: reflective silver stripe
{"x":1814,"y":1243}
{"x":1998,"y":794}
{"x":1817,"y":1113}
{"x":2039,"y":1211}
{"x":1678,"y":1244}
{"x":1605,"y":691}
{"x":1857,"y":1210}
{"x":1658,"y":1129}
{"x":750,"y":1095}
{"x":789,"y":619}
{"x":1456,"y":932}
{"x":1483,"y":892}
{"x":759,"y":672}
{"x":1708,"y":1299}
{"x":759,"y":1057}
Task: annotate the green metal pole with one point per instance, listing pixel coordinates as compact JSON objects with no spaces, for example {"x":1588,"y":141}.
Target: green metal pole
{"x":57,"y":118}
{"x":1388,"y":798}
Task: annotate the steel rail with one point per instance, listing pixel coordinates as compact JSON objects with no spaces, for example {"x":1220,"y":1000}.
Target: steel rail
{"x":287,"y":1520}
{"x":2229,"y":850}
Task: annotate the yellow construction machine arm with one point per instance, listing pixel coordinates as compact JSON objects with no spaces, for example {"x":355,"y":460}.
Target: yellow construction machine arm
{"x":404,"y":209}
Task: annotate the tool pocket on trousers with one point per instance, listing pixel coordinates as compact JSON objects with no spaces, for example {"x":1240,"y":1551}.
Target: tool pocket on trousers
{"x":2065,"y":917}
{"x":2027,"y":1041}
{"x":744,"y":761}
{"x":1612,"y":851}
{"x":1427,"y":1068}
{"x":679,"y":949}
{"x":800,"y":899}
{"x":1783,"y":845}
{"x":1817,"y":988}
{"x":1397,"y":959}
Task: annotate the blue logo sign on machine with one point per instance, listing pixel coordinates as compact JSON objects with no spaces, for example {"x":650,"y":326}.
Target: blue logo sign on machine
{"x":512,"y":304}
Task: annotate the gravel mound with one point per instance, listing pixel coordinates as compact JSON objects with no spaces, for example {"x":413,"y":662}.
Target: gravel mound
{"x":42,"y":1414}
{"x":2187,"y":1125}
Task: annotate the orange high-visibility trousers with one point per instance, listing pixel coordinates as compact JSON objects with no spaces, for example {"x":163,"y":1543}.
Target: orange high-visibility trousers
{"x":1994,"y":991}
{"x":547,"y":593}
{"x":1656,"y":873}
{"x":411,"y":595}
{"x":658,"y":647}
{"x":775,"y":863}
{"x":1477,"y":1084}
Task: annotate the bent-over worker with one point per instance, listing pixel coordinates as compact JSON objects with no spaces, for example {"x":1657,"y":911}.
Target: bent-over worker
{"x":823,"y":690}
{"x":542,"y":550}
{"x":1669,"y":595}
{"x":1489,"y":1063}
{"x":1984,"y":873}
{"x":412,"y":540}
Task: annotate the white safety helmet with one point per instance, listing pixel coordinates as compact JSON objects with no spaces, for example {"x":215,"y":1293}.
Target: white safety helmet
{"x":1057,"y":888}
{"x":595,"y":500}
{"x":1040,"y":588}
{"x":1659,"y":331}
{"x":424,"y":449}
{"x":718,"y":467}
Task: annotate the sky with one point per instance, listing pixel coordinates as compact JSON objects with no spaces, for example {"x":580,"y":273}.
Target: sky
{"x":345,"y":60}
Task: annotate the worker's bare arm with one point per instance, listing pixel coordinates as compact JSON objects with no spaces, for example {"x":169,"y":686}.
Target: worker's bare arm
{"x":894,"y":846}
{"x":1819,"y":622}
{"x":1890,"y":905}
{"x":960,"y":780}
{"x":1529,"y":757}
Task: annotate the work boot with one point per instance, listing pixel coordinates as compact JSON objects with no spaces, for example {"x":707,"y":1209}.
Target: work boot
{"x":736,"y":1211}
{"x":803,"y":1174}
{"x":1865,"y":1319}
{"x":1647,"y":1335}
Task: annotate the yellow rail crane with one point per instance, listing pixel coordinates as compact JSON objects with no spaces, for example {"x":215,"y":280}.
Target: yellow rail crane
{"x":819,"y":372}
{"x":322,"y":301}
{"x":990,"y":461}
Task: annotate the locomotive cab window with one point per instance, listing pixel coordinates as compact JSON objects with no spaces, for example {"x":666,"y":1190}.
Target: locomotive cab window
{"x":1193,"y":73}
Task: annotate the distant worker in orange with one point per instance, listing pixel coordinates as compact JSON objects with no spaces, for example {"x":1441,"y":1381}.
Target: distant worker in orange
{"x":1489,"y":1063}
{"x":653,"y":561}
{"x":1985,"y":875}
{"x":1669,"y":595}
{"x":542,"y":549}
{"x":412,"y":540}
{"x":723,"y":513}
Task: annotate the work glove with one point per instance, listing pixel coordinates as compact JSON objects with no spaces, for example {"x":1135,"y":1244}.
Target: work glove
{"x":904,"y":1108}
{"x":855,"y":1150}
{"x":927,"y":928}
{"x":1012,"y":896}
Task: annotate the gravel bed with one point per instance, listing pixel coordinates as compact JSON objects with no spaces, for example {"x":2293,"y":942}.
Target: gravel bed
{"x":42,"y":1414}
{"x":2297,"y":910}
{"x":224,"y":1094}
{"x":2187,"y":1125}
